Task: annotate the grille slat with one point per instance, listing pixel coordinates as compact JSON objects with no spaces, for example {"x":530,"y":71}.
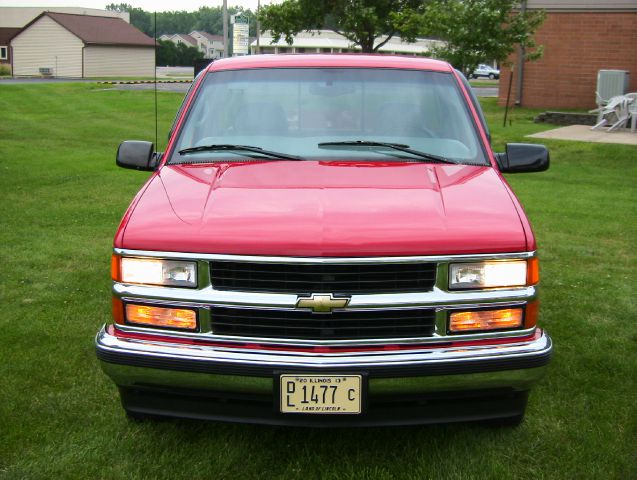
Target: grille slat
{"x":338,"y":325}
{"x":344,"y":279}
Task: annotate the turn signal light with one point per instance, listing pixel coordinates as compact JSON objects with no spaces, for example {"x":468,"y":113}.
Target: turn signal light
{"x":478,"y":320}
{"x":161,"y":316}
{"x":531,"y":314}
{"x":116,"y":270}
{"x":533,"y":271}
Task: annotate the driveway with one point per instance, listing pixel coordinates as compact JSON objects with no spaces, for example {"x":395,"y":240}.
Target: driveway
{"x":161,"y":87}
{"x":13,"y":81}
{"x":183,"y":87}
{"x":178,"y":74}
{"x":485,"y":91}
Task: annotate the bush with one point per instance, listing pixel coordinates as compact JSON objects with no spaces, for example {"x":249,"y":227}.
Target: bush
{"x":5,"y":70}
{"x":169,"y":54}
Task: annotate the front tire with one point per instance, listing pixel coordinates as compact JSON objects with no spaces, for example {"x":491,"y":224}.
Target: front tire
{"x":491,"y":76}
{"x":136,"y":417}
{"x":133,"y":415}
{"x":516,"y":413}
{"x":507,"y":422}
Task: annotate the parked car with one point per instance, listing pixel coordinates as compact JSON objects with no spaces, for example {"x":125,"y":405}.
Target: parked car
{"x":486,"y":71}
{"x":326,"y":241}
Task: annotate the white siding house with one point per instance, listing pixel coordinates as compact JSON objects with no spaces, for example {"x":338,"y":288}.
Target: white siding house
{"x":210,"y":45}
{"x":47,"y":46}
{"x":113,"y":61}
{"x":69,"y":45}
{"x":327,"y":41}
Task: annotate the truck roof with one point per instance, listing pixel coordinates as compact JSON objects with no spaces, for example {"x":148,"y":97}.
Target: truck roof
{"x":329,"y":60}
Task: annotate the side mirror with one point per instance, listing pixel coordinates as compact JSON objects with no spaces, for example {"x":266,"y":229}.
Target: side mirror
{"x":523,"y":157}
{"x":137,"y":154}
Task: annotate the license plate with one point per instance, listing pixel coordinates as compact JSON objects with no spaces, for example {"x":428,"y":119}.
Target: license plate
{"x":325,"y":394}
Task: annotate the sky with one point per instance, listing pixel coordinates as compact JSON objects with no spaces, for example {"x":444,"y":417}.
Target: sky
{"x":148,"y":5}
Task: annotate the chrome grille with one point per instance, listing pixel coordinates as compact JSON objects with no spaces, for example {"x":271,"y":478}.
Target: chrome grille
{"x":302,"y":278}
{"x":338,"y":325}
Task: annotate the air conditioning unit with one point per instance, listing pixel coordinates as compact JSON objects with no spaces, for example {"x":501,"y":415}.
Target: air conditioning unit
{"x":46,"y":71}
{"x":611,"y":83}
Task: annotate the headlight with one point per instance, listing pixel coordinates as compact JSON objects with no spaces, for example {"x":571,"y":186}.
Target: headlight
{"x":153,"y":271}
{"x":492,"y":274}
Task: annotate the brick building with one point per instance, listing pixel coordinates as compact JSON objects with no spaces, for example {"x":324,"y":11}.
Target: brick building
{"x":579,"y":37}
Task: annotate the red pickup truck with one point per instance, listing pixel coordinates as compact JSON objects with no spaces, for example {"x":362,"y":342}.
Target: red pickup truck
{"x":328,"y":240}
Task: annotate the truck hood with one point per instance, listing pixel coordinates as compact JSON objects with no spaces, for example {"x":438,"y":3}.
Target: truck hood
{"x":288,"y":208}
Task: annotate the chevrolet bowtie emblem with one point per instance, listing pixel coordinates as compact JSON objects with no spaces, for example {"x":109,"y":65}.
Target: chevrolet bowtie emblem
{"x":321,"y":303}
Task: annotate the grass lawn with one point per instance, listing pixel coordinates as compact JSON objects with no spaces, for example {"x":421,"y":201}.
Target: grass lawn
{"x":59,"y":414}
{"x":484,"y":83}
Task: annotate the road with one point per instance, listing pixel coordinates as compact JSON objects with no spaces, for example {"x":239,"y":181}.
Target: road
{"x":183,"y":87}
{"x":173,"y":73}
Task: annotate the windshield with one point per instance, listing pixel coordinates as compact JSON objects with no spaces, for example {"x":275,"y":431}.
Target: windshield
{"x":329,"y":114}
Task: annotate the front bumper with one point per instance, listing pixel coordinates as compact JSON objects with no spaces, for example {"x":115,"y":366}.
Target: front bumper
{"x":425,"y":384}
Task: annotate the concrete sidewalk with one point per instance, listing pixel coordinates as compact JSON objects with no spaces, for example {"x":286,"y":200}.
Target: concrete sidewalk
{"x":583,"y":133}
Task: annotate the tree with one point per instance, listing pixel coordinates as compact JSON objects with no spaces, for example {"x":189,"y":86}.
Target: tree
{"x":208,"y":19}
{"x":170,"y":54}
{"x":362,"y":22}
{"x":474,"y":31}
{"x":138,"y":17}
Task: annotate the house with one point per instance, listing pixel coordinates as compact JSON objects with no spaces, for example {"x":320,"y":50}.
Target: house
{"x":327,"y":41}
{"x":18,"y":17}
{"x":6,"y":34}
{"x":178,"y":38}
{"x":71,"y":45}
{"x":210,"y":45}
{"x":580,"y":37}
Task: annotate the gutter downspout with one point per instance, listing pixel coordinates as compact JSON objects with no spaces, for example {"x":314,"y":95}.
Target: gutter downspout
{"x":521,"y":57}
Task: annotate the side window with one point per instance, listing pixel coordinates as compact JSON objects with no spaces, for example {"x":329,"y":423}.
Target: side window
{"x":4,"y":53}
{"x":476,"y":103}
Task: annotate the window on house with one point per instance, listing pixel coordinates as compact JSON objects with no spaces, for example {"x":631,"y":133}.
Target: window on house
{"x":4,"y":53}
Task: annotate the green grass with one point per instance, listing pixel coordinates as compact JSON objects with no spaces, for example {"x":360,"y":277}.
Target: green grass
{"x":484,"y":83}
{"x":60,"y":417}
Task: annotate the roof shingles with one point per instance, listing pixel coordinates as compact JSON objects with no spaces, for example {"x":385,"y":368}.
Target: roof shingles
{"x":102,"y":30}
{"x":6,"y":34}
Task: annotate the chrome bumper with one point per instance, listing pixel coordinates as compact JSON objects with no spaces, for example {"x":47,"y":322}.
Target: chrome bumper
{"x":144,"y":363}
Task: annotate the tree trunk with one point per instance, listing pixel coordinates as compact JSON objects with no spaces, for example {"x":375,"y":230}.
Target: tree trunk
{"x":367,"y":43}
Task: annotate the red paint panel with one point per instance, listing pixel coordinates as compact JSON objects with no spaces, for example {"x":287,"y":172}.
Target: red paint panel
{"x":315,"y":208}
{"x":336,"y":61}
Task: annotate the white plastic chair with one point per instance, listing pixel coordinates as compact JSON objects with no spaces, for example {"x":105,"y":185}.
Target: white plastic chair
{"x":616,"y":111}
{"x":632,"y":111}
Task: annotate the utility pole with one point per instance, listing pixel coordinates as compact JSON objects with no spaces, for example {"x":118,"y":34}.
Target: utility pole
{"x":225,"y":28}
{"x":258,"y":28}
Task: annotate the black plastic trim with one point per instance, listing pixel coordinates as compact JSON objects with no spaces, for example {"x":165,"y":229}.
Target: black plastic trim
{"x":439,"y":407}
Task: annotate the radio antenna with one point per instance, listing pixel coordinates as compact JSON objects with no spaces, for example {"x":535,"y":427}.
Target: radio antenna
{"x":155,"y":82}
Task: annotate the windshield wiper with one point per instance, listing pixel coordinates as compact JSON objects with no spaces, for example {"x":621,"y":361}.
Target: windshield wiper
{"x":393,"y":146}
{"x":238,"y":148}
